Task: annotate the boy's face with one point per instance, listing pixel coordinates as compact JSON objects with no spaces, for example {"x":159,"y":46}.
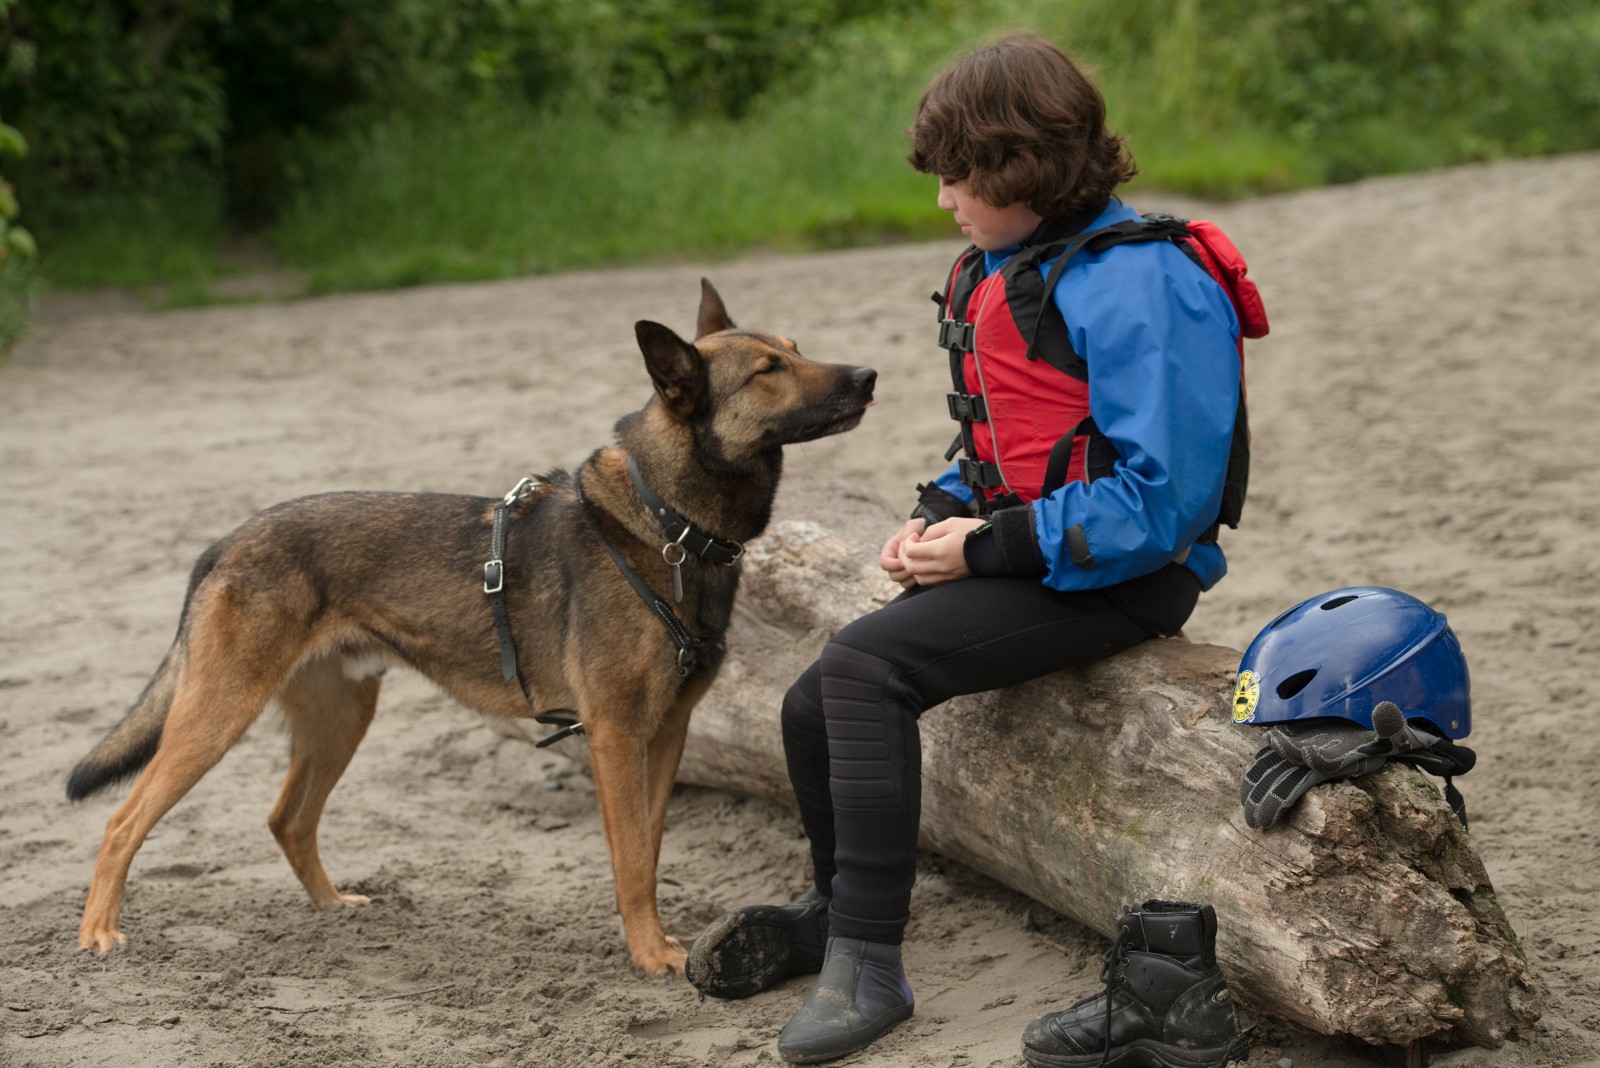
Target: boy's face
{"x":987,"y":226}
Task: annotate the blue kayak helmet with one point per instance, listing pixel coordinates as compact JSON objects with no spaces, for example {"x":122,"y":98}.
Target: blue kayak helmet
{"x":1339,"y":654}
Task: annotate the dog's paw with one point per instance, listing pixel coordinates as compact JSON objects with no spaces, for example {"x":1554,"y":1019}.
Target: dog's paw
{"x":663,"y":962}
{"x":339,"y":900}
{"x":100,"y":942}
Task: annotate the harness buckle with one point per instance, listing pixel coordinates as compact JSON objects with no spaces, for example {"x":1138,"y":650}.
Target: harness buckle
{"x":967,"y":407}
{"x":956,"y":335}
{"x":494,"y":576}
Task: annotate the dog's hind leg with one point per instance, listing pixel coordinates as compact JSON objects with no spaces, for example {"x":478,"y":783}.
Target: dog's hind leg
{"x":328,"y":715}
{"x":221,"y":690}
{"x":619,"y":758}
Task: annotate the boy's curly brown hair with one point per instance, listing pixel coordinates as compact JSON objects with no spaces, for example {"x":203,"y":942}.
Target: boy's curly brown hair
{"x":1019,"y":122}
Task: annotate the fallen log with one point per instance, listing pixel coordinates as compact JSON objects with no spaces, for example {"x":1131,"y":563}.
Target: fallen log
{"x":1368,"y":914}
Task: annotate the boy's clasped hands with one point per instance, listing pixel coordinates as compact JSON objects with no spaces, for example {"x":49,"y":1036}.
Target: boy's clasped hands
{"x":920,"y":555}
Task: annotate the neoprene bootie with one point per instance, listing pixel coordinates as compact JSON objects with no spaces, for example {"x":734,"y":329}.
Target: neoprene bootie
{"x":861,"y":993}
{"x":1165,"y":1003}
{"x":750,"y":949}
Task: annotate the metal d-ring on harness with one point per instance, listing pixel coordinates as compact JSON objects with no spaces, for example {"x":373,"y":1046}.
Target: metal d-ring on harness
{"x":683,"y":539}
{"x":494,"y":585}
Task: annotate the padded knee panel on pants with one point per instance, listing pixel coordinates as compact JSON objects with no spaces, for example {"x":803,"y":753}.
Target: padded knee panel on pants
{"x":872,"y":736}
{"x":875,"y":782}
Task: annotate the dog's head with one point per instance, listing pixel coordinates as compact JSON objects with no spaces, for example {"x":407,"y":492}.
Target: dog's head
{"x":745,"y":393}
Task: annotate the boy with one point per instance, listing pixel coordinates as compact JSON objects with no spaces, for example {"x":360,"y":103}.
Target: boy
{"x":1097,"y":389}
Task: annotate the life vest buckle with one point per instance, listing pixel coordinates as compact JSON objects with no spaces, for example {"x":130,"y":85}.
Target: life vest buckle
{"x":979,"y":474}
{"x":967,"y":407}
{"x":956,"y":335}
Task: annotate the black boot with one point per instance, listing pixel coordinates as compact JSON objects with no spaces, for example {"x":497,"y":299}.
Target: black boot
{"x":861,"y":993}
{"x":1165,"y":1002}
{"x":747,"y":951}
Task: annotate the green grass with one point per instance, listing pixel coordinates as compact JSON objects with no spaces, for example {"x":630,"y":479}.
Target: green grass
{"x":1215,"y":104}
{"x":19,"y":294}
{"x":136,"y":240}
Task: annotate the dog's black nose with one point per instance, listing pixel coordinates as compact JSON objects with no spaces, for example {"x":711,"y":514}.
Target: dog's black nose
{"x":864,"y":378}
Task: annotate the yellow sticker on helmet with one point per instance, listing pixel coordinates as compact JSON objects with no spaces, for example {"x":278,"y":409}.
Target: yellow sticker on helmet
{"x":1245,"y":697}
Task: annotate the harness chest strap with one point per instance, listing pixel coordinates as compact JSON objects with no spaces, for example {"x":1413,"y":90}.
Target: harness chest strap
{"x":683,"y":538}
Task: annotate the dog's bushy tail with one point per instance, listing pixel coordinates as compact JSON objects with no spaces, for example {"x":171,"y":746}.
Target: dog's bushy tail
{"x":131,"y":743}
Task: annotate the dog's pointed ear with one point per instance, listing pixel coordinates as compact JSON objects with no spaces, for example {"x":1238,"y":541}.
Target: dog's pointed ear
{"x":713,"y":316}
{"x":676,"y":367}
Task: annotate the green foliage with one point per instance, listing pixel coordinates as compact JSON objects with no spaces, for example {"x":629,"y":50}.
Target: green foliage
{"x":381,"y":142}
{"x":19,"y":283}
{"x":172,"y":236}
{"x":118,"y":93}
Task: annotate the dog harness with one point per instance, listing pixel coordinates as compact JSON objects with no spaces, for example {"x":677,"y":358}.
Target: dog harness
{"x":1018,"y":380}
{"x":683,"y":539}
{"x":494,"y":585}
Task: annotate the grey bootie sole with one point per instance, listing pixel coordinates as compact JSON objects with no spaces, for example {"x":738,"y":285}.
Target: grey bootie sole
{"x":759,"y":946}
{"x":815,"y":1048}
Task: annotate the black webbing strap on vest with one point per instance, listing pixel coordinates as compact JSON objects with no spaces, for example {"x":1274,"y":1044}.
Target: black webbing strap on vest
{"x":494,"y":582}
{"x":1153,"y":227}
{"x":958,"y":336}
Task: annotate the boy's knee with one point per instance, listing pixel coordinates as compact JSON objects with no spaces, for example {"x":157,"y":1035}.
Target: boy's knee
{"x":850,"y":674}
{"x":840,"y":661}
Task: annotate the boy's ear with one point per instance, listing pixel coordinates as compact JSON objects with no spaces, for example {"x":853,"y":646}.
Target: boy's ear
{"x":676,"y":367}
{"x":713,"y":316}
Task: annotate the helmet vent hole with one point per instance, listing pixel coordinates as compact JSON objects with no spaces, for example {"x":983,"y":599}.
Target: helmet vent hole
{"x":1280,"y":619}
{"x":1295,"y":683}
{"x":1337,"y":601}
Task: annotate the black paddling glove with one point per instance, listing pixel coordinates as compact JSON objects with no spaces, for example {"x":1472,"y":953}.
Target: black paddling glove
{"x":1298,"y":756}
{"x":935,"y":505}
{"x":1006,"y":545}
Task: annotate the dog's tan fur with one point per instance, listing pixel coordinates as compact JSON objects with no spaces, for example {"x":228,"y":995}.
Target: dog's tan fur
{"x":307,"y":601}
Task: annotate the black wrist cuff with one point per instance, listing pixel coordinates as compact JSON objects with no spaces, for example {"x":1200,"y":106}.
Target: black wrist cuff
{"x":936,"y":505}
{"x":1007,"y":546}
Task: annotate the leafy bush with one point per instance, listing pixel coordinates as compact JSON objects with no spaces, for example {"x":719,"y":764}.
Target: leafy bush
{"x":383,"y":141}
{"x":18,"y":282}
{"x":121,"y":94}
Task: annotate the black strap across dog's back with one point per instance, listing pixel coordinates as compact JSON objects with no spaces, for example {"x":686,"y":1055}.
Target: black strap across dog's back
{"x":494,"y":585}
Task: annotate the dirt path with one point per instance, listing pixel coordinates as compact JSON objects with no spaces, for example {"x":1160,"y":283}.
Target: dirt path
{"x":1424,"y":418}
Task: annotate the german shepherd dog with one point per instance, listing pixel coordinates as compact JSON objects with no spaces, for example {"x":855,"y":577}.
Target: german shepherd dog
{"x":310,"y":600}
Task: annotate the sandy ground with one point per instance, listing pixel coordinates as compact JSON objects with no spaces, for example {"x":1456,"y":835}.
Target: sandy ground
{"x":1424,"y":418}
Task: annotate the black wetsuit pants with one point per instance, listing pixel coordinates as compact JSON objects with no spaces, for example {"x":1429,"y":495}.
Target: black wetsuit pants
{"x":850,"y":720}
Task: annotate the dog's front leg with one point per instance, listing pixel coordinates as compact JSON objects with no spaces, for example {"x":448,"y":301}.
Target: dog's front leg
{"x":619,"y":758}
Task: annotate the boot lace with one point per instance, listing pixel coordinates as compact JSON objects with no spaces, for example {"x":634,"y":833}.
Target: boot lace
{"x":1113,"y":971}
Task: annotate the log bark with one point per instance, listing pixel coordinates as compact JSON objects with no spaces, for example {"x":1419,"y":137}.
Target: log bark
{"x":1368,"y":914}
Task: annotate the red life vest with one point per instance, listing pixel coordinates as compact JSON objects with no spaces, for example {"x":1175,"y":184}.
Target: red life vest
{"x":1022,"y":391}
